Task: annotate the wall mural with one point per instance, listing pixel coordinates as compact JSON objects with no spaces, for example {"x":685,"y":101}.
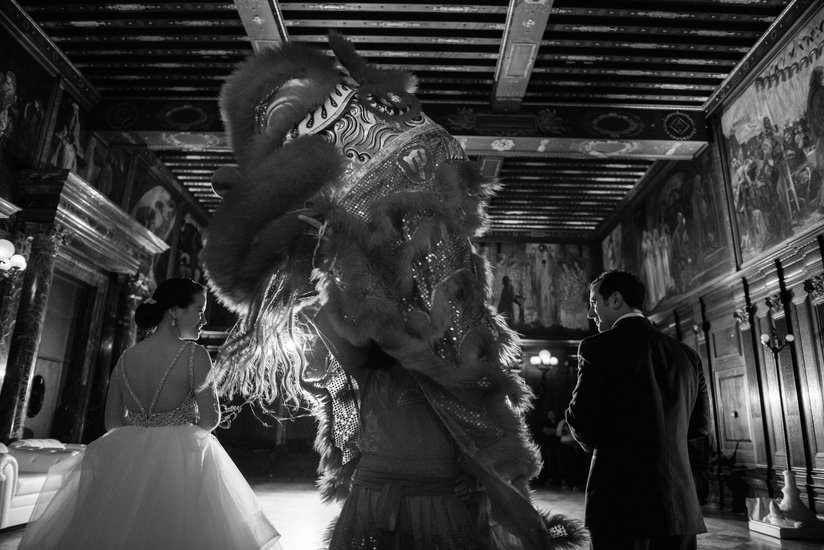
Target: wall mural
{"x":106,"y":168}
{"x":681,"y":229}
{"x":25,"y":88}
{"x":540,"y":287}
{"x":612,"y":251}
{"x":155,"y":208}
{"x":67,"y":146}
{"x":190,"y":249}
{"x":774,"y":138}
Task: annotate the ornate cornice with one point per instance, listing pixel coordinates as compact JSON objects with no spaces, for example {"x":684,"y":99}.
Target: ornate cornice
{"x":7,"y":208}
{"x":814,"y":287}
{"x":775,"y":304}
{"x":99,"y":230}
{"x":744,"y":314}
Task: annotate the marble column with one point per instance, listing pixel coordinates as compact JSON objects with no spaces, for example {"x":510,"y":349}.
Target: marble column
{"x":118,"y":334}
{"x":25,"y":341}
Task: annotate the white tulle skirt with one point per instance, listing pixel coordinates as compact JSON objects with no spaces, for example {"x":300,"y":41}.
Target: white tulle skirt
{"x":162,"y":488}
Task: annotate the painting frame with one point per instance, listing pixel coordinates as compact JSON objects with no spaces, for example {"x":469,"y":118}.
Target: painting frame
{"x":772,"y":166}
{"x":28,"y":97}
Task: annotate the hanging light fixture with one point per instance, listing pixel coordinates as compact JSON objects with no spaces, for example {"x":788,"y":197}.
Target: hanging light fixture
{"x":10,"y":262}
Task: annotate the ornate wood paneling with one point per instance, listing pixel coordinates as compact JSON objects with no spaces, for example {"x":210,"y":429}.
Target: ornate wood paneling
{"x":733,"y":408}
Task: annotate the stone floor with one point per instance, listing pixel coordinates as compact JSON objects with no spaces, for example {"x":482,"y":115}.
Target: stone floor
{"x":300,"y":516}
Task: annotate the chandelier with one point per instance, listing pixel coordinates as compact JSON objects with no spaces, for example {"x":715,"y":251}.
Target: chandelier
{"x":10,"y":262}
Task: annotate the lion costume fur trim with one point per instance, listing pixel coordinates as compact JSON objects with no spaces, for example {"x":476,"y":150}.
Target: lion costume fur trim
{"x":249,"y":237}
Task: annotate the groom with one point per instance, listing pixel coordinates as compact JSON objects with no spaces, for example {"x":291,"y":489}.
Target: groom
{"x":640,"y":396}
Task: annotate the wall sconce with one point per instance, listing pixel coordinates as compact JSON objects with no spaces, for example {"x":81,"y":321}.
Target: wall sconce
{"x":775,"y":343}
{"x":10,"y":263}
{"x":543,"y":359}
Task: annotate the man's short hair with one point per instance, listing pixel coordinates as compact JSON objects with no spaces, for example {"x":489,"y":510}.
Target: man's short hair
{"x":631,"y":287}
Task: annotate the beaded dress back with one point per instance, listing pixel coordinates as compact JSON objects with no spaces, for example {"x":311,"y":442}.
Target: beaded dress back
{"x":185,"y":413}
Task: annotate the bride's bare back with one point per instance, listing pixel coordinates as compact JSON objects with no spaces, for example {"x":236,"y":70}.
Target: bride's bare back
{"x":145,"y":364}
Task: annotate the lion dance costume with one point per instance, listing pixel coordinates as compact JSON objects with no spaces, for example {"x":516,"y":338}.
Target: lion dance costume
{"x":347,"y":199}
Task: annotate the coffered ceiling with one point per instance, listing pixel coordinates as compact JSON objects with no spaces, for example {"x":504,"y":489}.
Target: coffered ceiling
{"x":570,"y":103}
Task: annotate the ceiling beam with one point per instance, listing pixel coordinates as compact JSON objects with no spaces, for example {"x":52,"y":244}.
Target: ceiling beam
{"x":526,"y":22}
{"x":263,"y":22}
{"x":559,"y":131}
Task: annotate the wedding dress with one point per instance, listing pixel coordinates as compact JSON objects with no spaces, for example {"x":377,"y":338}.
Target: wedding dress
{"x":159,"y":483}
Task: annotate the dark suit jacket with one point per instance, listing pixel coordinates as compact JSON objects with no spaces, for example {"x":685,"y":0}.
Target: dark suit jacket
{"x":640,"y":396}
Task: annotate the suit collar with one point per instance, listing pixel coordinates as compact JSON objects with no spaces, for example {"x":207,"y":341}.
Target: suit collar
{"x":634,"y":318}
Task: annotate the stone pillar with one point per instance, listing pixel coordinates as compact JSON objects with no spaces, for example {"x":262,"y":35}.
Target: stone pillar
{"x":119,"y":333}
{"x":25,"y":341}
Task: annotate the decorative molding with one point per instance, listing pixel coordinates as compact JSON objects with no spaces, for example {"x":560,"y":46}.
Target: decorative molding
{"x":775,"y":304}
{"x":99,"y":230}
{"x":744,"y":314}
{"x":263,"y":22}
{"x":814,"y":287}
{"x":206,"y":128}
{"x":7,"y":208}
{"x":526,"y":22}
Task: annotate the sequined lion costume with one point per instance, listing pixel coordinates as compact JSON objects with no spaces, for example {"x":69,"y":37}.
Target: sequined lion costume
{"x":348,"y":198}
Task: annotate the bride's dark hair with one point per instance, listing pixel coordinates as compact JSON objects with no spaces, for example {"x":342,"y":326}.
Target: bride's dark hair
{"x":177,"y":292}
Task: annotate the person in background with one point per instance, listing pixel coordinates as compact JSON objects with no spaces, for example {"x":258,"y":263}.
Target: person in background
{"x":506,"y":304}
{"x":158,"y":478}
{"x":550,"y":449}
{"x":640,"y":397}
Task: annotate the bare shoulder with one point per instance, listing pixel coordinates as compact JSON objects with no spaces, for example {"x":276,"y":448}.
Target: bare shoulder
{"x":202,"y":362}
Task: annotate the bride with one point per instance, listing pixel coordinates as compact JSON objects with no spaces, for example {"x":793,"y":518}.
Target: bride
{"x":158,"y":479}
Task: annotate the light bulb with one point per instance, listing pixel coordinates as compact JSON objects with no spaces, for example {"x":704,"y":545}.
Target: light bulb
{"x":534,"y":360}
{"x":17,"y":262}
{"x":544,"y":356}
{"x":553,"y":360}
{"x":789,"y":338}
{"x":765,"y":339}
{"x":6,"y":249}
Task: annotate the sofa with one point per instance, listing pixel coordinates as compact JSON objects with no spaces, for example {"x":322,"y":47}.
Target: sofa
{"x":24,"y":465}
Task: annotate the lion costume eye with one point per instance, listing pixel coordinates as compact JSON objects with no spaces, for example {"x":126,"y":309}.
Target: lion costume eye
{"x":282,"y":103}
{"x":286,"y":103}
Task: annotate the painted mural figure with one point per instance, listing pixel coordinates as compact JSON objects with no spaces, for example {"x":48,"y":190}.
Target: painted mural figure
{"x":681,"y":256}
{"x":703,"y":218}
{"x":665,"y":244}
{"x":573,"y":281}
{"x":815,"y":118}
{"x":648,"y":261}
{"x":543,"y":285}
{"x":506,"y":304}
{"x":69,"y":153}
{"x":782,"y":179}
{"x":8,"y":102}
{"x":33,"y":115}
